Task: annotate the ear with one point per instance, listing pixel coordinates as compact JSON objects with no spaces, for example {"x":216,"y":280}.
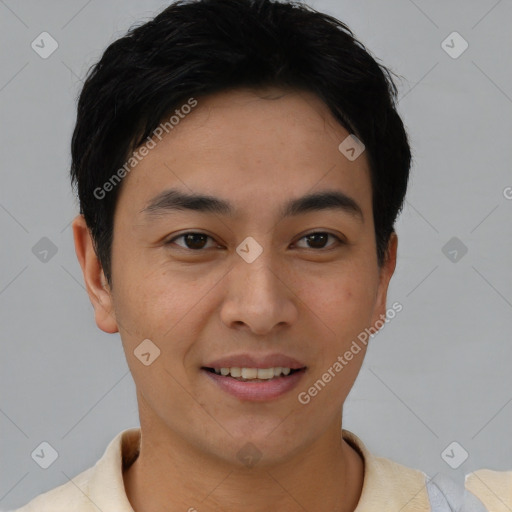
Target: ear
{"x":94,"y":278}
{"x":386,"y":271}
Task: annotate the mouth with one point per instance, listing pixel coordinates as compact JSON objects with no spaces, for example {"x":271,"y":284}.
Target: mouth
{"x":255,"y":384}
{"x":254,"y":374}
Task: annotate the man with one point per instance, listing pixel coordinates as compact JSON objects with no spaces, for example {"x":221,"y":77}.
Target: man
{"x":240,"y":165}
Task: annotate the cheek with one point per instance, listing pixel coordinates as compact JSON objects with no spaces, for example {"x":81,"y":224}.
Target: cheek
{"x":145,"y":296}
{"x":344,"y":304}
{"x":169,"y":310}
{"x":153,"y":309}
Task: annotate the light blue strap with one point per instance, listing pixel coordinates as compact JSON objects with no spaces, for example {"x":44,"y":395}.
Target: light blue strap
{"x":447,"y":496}
{"x":438,"y":501}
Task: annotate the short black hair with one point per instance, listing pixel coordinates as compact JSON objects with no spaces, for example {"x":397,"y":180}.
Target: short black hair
{"x":198,"y":47}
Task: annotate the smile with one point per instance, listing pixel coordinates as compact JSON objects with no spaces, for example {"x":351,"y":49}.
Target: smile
{"x":255,"y":384}
{"x":245,"y":374}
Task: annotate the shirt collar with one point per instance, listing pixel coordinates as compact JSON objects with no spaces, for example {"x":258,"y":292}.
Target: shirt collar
{"x":106,"y":485}
{"x":384,"y":481}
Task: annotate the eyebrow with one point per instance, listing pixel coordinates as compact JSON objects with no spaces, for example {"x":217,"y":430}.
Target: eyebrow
{"x":172,"y":200}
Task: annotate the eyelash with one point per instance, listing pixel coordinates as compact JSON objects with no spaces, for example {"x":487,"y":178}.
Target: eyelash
{"x":338,"y":240}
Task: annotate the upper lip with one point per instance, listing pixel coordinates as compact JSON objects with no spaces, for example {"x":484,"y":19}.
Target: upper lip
{"x":255,"y":361}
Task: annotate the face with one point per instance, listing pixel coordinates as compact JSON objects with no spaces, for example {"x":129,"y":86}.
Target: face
{"x":243,"y":275}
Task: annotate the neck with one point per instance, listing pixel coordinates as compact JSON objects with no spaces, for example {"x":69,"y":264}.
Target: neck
{"x":169,"y":475}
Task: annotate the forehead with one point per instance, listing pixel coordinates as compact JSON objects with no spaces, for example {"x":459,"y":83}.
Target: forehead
{"x":251,"y":148}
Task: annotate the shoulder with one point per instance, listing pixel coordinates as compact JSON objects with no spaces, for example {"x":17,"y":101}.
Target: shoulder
{"x":99,"y":487}
{"x":69,"y":496}
{"x":415,"y":491}
{"x":389,"y":485}
{"x":492,"y":488}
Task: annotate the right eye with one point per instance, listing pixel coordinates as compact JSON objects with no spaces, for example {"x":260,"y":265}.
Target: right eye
{"x":193,"y":240}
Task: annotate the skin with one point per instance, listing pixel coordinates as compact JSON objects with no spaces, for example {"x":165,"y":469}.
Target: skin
{"x":307,"y":300}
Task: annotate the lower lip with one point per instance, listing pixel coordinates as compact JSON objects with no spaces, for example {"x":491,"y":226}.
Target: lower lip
{"x":257,"y":391}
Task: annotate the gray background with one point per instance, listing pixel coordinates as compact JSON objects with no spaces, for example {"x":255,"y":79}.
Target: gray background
{"x":438,"y":373}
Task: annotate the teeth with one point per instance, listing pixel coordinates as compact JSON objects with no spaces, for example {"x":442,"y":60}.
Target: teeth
{"x":253,"y":373}
{"x":235,"y":372}
{"x":263,"y":373}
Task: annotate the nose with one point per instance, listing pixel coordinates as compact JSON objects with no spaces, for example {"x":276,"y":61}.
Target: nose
{"x":260,"y":296}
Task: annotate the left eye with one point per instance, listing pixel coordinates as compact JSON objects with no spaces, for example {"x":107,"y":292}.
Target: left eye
{"x":319,"y":238}
{"x":196,"y":241}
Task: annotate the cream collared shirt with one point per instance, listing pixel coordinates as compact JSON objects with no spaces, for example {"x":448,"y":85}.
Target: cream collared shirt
{"x":492,"y":488}
{"x":387,"y":485}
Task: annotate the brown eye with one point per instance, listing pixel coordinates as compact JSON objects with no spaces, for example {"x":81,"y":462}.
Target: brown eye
{"x":193,"y":240}
{"x":319,"y":239}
